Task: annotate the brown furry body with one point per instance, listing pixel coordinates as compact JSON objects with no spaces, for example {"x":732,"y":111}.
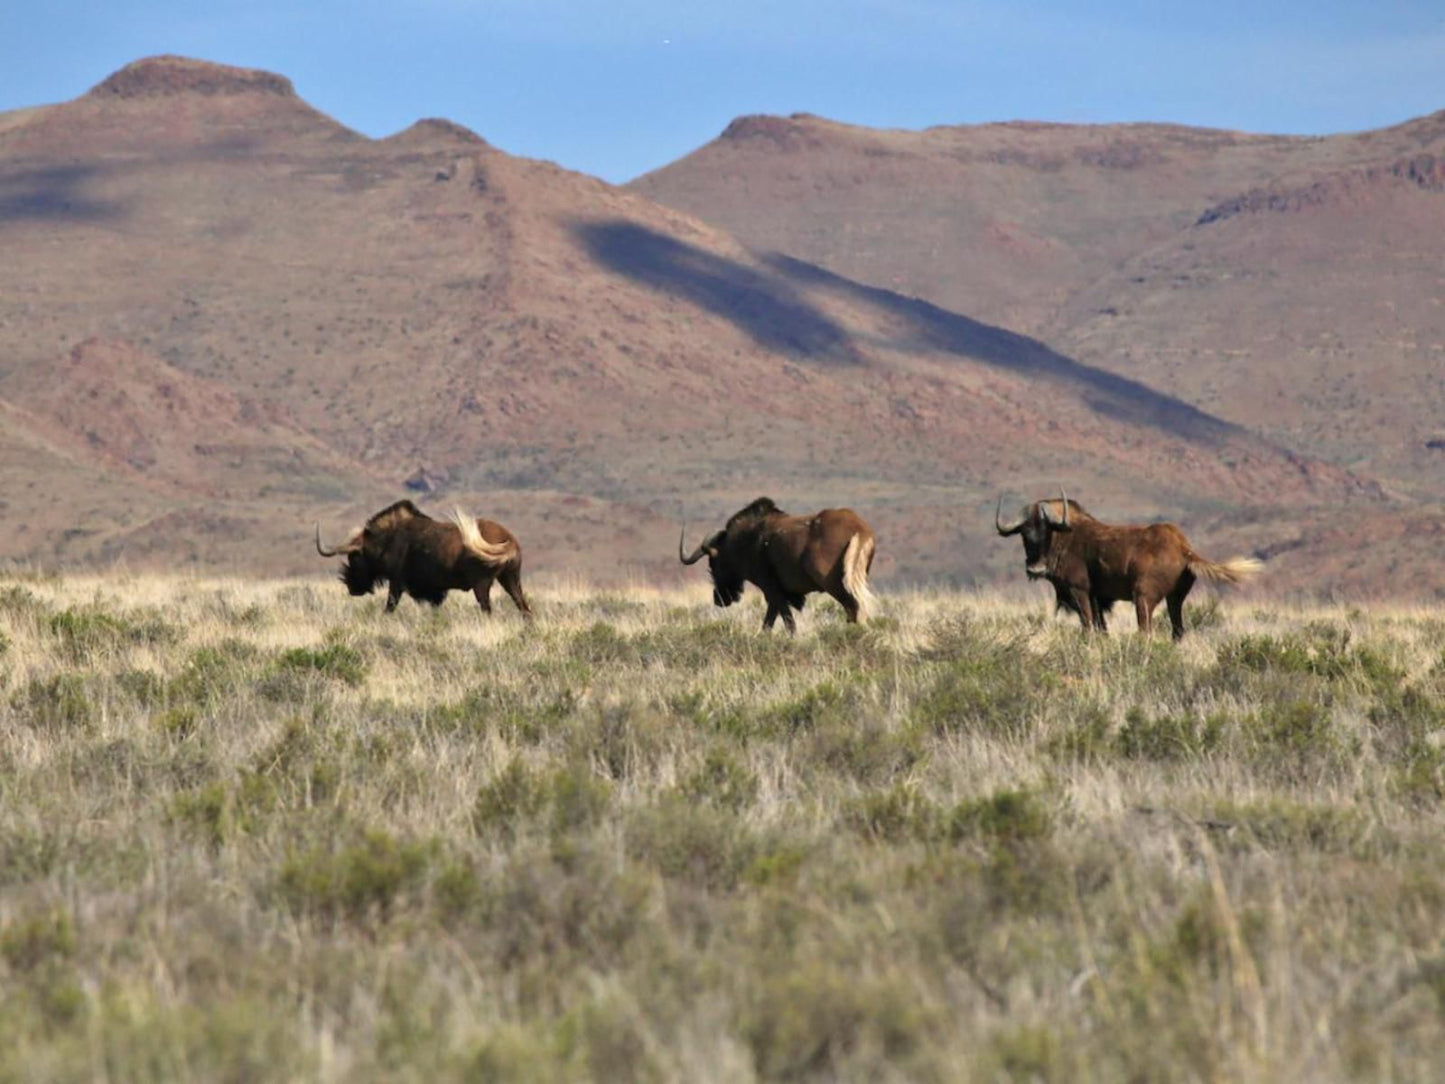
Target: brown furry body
{"x":789,"y":557}
{"x":1092,"y":564}
{"x":414,"y":554}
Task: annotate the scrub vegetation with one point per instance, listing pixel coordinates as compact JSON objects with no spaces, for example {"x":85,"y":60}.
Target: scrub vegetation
{"x":260,"y":831}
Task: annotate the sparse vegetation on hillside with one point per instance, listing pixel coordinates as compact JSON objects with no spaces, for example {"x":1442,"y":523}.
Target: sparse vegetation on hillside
{"x":256,"y":830}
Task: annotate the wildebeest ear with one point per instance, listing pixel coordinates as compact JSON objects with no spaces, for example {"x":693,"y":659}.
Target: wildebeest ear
{"x":1048,"y":517}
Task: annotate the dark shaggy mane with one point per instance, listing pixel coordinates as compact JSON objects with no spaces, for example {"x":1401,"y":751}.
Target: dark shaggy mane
{"x":402,"y":509}
{"x":763,"y":506}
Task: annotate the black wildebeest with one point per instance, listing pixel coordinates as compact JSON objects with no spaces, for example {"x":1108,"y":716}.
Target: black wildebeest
{"x":787,"y":557}
{"x":1092,"y":565}
{"x":415,"y":555}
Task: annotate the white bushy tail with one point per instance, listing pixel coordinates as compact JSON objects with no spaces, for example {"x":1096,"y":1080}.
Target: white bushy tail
{"x":856,"y":559}
{"x":494,"y":553}
{"x":1235,"y":570}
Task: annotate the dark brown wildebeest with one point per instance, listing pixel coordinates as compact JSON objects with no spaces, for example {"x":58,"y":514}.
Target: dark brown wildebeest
{"x":787,"y":557}
{"x":1092,"y":565}
{"x":415,"y":555}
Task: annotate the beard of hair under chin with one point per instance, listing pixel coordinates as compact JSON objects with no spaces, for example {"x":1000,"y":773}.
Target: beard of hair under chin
{"x":358,"y":579}
{"x":725,"y":594}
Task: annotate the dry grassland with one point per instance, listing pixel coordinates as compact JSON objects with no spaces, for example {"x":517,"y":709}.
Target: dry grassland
{"x":260,"y":831}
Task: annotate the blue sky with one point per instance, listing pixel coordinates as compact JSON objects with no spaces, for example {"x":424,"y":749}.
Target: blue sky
{"x":618,"y":88}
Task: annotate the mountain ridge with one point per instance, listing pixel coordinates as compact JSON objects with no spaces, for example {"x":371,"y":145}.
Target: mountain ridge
{"x":571,"y":357}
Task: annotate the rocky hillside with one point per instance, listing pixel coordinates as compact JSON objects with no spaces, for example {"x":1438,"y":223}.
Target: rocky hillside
{"x":227,"y":316}
{"x":1290,"y":285}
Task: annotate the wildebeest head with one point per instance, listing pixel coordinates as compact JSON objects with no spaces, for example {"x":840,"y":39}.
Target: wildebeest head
{"x":365,"y":551}
{"x":727,"y":579}
{"x":1037,"y":523}
{"x":723,"y":551}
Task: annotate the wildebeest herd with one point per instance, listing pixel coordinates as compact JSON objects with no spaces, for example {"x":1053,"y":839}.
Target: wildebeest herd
{"x":1090,"y":564}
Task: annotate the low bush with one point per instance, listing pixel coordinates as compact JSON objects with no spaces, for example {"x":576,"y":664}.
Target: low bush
{"x":364,"y":881}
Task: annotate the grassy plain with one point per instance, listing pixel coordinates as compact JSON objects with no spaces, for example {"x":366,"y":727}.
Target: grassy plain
{"x":260,"y":831}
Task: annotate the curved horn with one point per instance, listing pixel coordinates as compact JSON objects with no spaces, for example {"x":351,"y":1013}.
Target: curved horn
{"x":696,"y":554}
{"x":319,"y":549}
{"x":998,"y":523}
{"x":339,"y":551}
{"x":1060,"y":524}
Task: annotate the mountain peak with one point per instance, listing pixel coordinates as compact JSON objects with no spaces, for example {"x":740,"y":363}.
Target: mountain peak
{"x":437,"y":130}
{"x":172,"y":76}
{"x":784,"y":131}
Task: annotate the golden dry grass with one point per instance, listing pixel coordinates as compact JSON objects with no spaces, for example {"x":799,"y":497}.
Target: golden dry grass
{"x":258,"y":830}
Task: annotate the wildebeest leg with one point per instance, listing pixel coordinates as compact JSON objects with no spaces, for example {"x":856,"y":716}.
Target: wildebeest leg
{"x":848,"y":602}
{"x":788,"y":622}
{"x":1144,"y":607}
{"x":483,"y":593}
{"x":393,"y":596}
{"x":1081,"y":604}
{"x":511,"y":579}
{"x":1176,"y":602}
{"x":771,"y":617}
{"x":1100,"y":622}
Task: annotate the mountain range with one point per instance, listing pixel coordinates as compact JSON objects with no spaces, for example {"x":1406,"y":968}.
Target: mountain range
{"x":224,"y":317}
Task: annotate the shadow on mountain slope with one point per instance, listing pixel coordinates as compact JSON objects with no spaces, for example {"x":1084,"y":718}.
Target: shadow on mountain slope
{"x":763,"y":305}
{"x":51,"y":193}
{"x":930,"y":328}
{"x":772,"y":306}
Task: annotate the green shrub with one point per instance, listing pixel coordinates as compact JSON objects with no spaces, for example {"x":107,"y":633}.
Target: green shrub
{"x":692,"y":647}
{"x":214,"y":674}
{"x":1319,"y":650}
{"x":1204,"y":613}
{"x":83,"y":633}
{"x":61,"y":701}
{"x":515,"y":715}
{"x":206,"y":811}
{"x":578,"y":799}
{"x":818,"y":1020}
{"x":457,"y":890}
{"x":1279,"y":824}
{"x":1263,"y":653}
{"x":701,"y":845}
{"x":363,"y":881}
{"x":1006,"y":816}
{"x":602,"y":1039}
{"x":1026,"y":1052}
{"x":826,"y":700}
{"x":862,"y":748}
{"x":337,"y":661}
{"x":1020,"y":870}
{"x":893,"y":815}
{"x":992,"y":693}
{"x":21,"y":601}
{"x":1296,"y":734}
{"x":564,"y":800}
{"x":721,"y":779}
{"x":510,"y":1054}
{"x":179,"y":722}
{"x":775,"y":862}
{"x":1168,"y":737}
{"x":145,"y":687}
{"x":511,"y":797}
{"x":1420,"y":777}
{"x":1083,"y":739}
{"x":623,"y":740}
{"x":29,"y":943}
{"x":601,"y":643}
